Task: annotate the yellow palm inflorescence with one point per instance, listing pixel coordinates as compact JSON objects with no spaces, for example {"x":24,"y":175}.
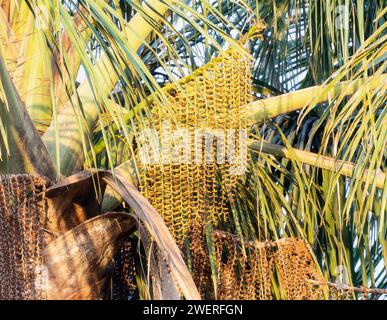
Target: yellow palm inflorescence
{"x":202,"y":121}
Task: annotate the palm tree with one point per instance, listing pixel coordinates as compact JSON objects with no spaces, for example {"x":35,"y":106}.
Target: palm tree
{"x":81,"y":80}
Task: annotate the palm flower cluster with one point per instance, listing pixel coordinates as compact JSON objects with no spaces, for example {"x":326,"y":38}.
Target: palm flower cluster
{"x":184,"y":187}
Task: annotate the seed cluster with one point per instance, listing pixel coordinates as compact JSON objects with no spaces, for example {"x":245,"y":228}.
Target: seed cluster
{"x":22,"y":212}
{"x":295,"y":266}
{"x":251,"y":276}
{"x":124,"y":285}
{"x":198,"y":187}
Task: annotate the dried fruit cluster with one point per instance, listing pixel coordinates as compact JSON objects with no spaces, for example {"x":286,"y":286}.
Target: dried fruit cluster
{"x":22,"y":213}
{"x":124,"y":285}
{"x":251,"y":276}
